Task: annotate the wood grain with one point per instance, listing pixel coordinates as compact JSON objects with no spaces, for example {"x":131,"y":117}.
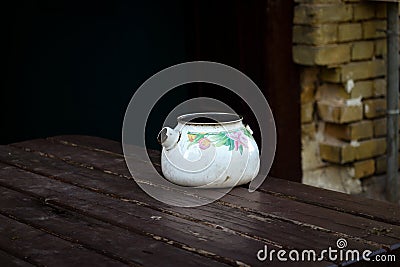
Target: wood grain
{"x":83,"y":188}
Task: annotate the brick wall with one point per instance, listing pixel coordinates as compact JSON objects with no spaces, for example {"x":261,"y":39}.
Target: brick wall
{"x":341,"y":47}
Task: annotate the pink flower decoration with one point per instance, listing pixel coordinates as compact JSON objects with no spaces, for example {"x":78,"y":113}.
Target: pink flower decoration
{"x":204,"y":143}
{"x":239,"y":139}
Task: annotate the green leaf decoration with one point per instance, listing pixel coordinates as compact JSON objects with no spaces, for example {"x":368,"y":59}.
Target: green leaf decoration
{"x":228,"y":142}
{"x":231,"y":144}
{"x":247,"y":133}
{"x":241,"y":149}
{"x":221,"y":142}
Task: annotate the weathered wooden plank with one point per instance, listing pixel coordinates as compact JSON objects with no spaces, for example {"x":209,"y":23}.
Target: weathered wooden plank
{"x":352,"y":204}
{"x":11,"y":261}
{"x":324,"y":219}
{"x":264,"y":205}
{"x":92,"y":142}
{"x":356,"y":205}
{"x":114,"y":165}
{"x":206,"y":241}
{"x":40,"y":248}
{"x":93,"y":234}
{"x":100,"y":144}
{"x":295,"y":234}
{"x":211,"y":240}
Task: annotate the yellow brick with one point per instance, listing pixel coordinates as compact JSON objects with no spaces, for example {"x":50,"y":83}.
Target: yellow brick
{"x":352,"y":131}
{"x":362,"y":89}
{"x":331,"y":91}
{"x":379,"y":87}
{"x":321,"y":55}
{"x":355,"y":71}
{"x":307,"y":94}
{"x":379,"y":127}
{"x":363,"y":70}
{"x":370,"y":148}
{"x":315,"y":35}
{"x":308,"y":130}
{"x":374,"y":108}
{"x":363,"y":168}
{"x":362,"y":50}
{"x":349,"y":32}
{"x":337,"y":152}
{"x":322,"y":13}
{"x":308,"y":81}
{"x":307,"y":110}
{"x":334,"y":91}
{"x":309,"y":76}
{"x":380,"y":47}
{"x":339,"y":112}
{"x":364,"y":11}
{"x":374,"y":29}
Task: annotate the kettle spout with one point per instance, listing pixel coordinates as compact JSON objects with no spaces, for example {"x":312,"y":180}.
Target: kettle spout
{"x":168,"y":137}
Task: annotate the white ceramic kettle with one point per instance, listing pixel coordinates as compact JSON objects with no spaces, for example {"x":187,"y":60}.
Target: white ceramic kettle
{"x":209,"y":150}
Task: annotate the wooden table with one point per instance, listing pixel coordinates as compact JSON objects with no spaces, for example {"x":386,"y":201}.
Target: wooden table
{"x":70,"y":200}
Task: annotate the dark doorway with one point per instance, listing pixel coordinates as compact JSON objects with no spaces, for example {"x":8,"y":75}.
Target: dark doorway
{"x":256,"y":38}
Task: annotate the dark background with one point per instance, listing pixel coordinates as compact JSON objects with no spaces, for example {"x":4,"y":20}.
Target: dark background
{"x":71,"y":67}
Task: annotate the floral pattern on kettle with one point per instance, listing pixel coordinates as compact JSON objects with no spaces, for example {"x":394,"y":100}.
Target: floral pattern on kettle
{"x":234,"y":140}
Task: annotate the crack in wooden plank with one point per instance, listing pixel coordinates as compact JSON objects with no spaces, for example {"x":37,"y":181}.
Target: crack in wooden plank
{"x":199,"y":251}
{"x":87,"y":147}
